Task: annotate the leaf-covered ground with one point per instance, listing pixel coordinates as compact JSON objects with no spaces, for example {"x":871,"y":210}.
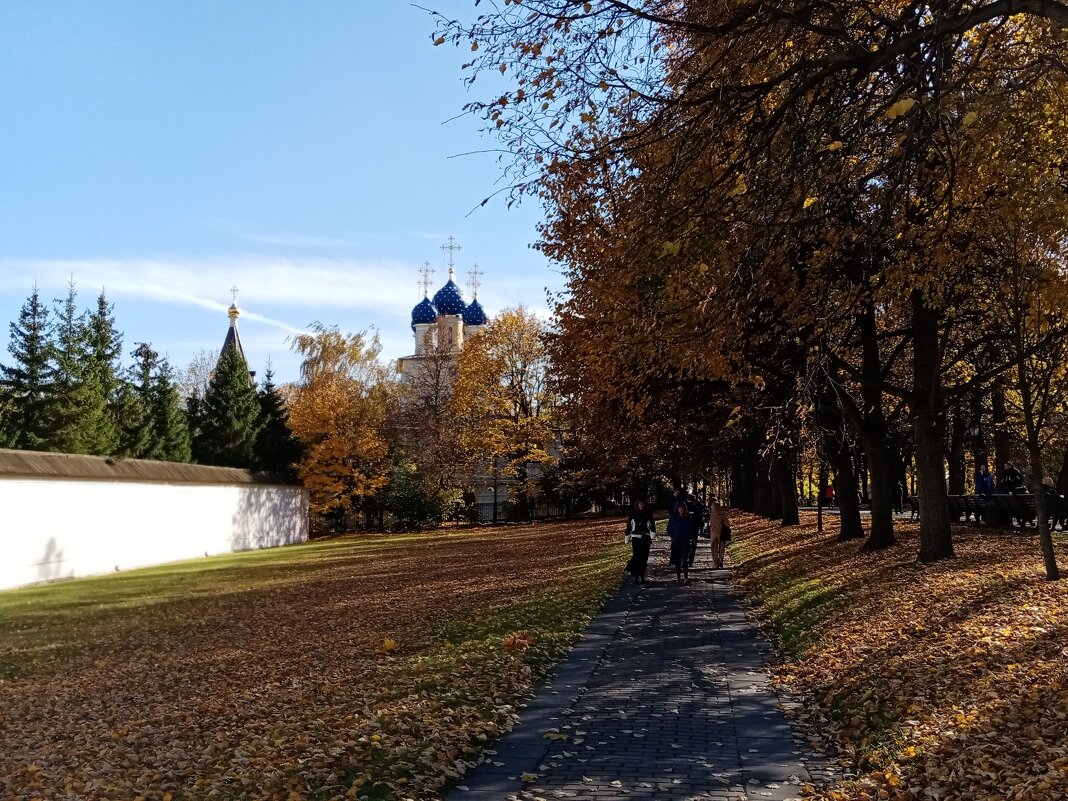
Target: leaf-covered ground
{"x":944,"y":681}
{"x":263,"y":675}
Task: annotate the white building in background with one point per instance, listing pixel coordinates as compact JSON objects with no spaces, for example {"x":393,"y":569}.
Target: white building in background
{"x":449,"y":315}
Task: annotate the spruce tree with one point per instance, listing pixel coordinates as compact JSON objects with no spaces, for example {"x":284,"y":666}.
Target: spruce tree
{"x":5,"y":433}
{"x":27,"y":381}
{"x":169,"y":440}
{"x":134,"y":404}
{"x":79,"y":407}
{"x":230,"y":415}
{"x":105,"y":350}
{"x":277,"y":449}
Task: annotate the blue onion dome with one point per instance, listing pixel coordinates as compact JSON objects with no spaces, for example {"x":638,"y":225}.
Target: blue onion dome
{"x":424,"y":313}
{"x":448,"y":299}
{"x":474,"y":314}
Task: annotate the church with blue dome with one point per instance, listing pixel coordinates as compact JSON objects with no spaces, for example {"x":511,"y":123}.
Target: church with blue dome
{"x":446,"y":315}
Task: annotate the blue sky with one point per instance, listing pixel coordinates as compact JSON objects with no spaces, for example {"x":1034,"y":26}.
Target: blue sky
{"x":168,"y":151}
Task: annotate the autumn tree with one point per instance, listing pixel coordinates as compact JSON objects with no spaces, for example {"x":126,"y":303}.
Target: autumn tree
{"x":503,"y":402}
{"x":341,"y":411}
{"x":804,"y":169}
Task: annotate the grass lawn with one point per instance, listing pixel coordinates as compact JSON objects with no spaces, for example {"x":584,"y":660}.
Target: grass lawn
{"x":263,"y":674}
{"x":945,"y":681}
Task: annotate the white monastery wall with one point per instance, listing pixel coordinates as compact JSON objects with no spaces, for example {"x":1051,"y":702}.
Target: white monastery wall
{"x":53,"y":528}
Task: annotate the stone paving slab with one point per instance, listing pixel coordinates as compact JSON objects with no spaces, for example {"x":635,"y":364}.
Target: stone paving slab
{"x":666,"y":696}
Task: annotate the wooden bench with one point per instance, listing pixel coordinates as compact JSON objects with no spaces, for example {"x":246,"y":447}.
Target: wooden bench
{"x":1010,"y":509}
{"x":977,"y":506}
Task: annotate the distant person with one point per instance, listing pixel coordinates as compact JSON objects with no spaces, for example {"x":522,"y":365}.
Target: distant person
{"x":828,"y":497}
{"x":984,"y":482}
{"x":696,"y":512}
{"x":641,"y":528}
{"x":678,"y":529}
{"x":719,"y":528}
{"x":1013,"y":481}
{"x":1054,"y":502}
{"x":899,"y":497}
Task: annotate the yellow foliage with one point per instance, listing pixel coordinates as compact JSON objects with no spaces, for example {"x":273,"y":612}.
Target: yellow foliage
{"x":900,"y":108}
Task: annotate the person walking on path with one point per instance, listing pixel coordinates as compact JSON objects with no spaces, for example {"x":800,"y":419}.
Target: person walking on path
{"x":641,"y":528}
{"x":719,"y":528}
{"x":678,"y":528}
{"x":696,"y":511}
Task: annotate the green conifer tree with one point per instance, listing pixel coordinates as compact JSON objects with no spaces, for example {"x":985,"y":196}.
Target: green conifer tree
{"x":105,"y":350}
{"x":277,"y":449}
{"x":230,"y":415}
{"x":134,"y":404}
{"x":28,"y":379}
{"x":79,"y":407}
{"x":169,"y":439}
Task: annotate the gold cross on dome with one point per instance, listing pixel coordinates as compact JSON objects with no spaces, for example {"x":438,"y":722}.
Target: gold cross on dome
{"x":233,"y":294}
{"x":425,"y":272}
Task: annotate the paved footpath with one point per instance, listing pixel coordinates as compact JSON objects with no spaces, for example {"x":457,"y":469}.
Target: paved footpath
{"x":664,"y":697}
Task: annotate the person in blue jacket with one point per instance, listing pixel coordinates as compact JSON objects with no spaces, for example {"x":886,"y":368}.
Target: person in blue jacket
{"x":984,"y":482}
{"x":678,"y":529}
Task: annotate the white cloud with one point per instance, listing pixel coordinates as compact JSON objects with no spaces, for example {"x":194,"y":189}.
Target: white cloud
{"x":310,"y":283}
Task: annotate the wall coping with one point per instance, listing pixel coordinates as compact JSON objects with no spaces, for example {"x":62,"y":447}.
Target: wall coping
{"x":39,"y":464}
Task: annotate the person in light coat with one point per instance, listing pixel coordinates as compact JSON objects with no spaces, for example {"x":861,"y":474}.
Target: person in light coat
{"x":719,"y":528}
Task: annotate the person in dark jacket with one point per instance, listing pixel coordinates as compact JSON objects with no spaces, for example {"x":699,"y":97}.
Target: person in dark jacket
{"x":1013,"y":481}
{"x":984,"y":482}
{"x":678,"y":529}
{"x":641,"y":528}
{"x":697,"y":514}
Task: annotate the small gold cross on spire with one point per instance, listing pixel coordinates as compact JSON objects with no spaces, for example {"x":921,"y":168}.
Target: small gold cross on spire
{"x":474,"y":280}
{"x":425,"y":272}
{"x":233,"y":294}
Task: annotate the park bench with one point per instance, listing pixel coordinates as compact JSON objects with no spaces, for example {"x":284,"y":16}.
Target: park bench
{"x":956,"y":507}
{"x":1010,"y":509}
{"x":978,"y":507}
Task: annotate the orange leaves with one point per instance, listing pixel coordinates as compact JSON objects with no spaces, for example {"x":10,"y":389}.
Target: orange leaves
{"x":267,"y":679}
{"x":948,"y":679}
{"x":340,"y":412}
{"x":517,"y":641}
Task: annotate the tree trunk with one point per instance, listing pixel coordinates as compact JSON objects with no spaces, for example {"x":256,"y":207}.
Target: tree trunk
{"x":821,"y":490}
{"x":881,"y":533}
{"x":762,"y":500}
{"x":1002,"y":438}
{"x":935,"y":539}
{"x":850,"y":527}
{"x":956,"y":454}
{"x":771,"y":471}
{"x":787,"y":489}
{"x":743,"y":477}
{"x":979,"y":454}
{"x":1045,"y":539}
